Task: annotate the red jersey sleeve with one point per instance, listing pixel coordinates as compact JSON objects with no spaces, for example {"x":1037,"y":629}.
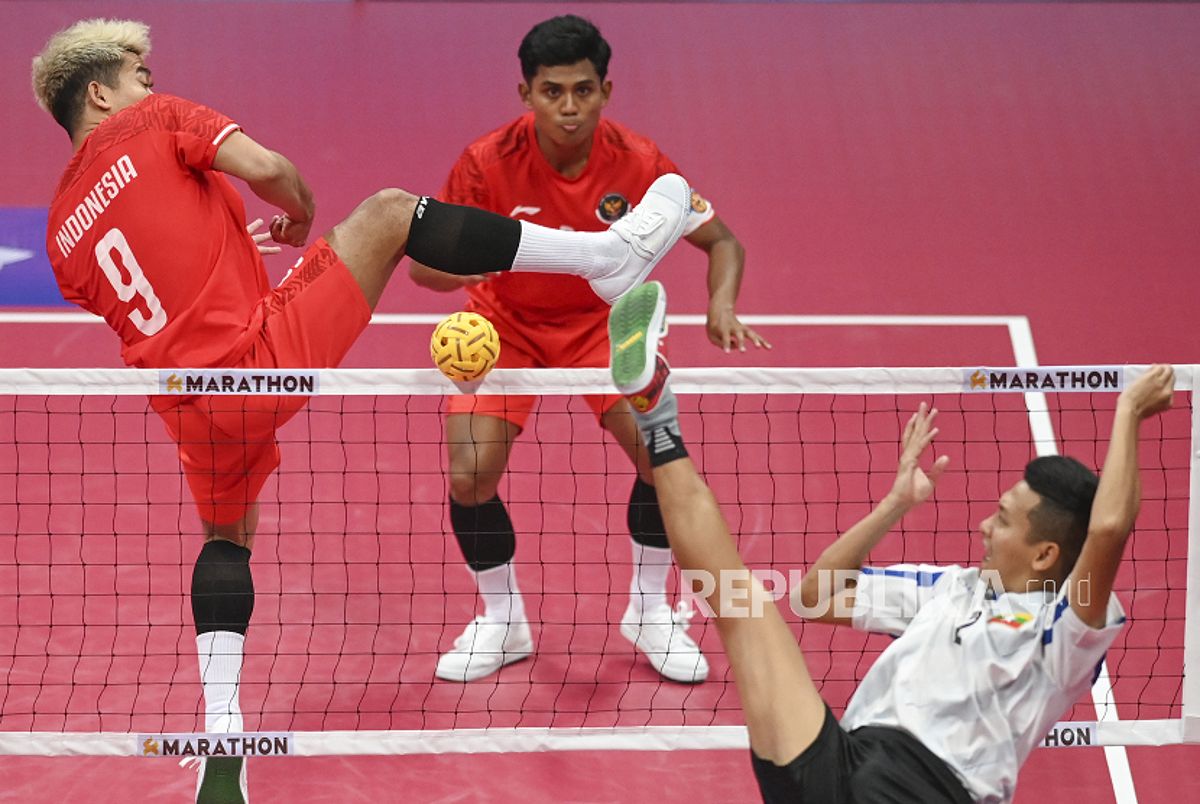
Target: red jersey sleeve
{"x":199,"y":132}
{"x":465,"y":185}
{"x":663,"y":164}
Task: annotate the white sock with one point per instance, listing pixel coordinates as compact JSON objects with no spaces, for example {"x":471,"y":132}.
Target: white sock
{"x":651,"y":566}
{"x":557,"y":251}
{"x":501,"y":598}
{"x":220,"y":671}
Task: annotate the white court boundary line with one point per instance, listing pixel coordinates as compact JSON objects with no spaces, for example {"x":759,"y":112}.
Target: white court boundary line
{"x":1046,"y":443}
{"x":412,"y":319}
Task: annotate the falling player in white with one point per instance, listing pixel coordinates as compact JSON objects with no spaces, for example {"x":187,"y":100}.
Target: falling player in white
{"x":986,"y":658}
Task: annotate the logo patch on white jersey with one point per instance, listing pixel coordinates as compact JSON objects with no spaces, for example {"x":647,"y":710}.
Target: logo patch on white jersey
{"x":1016,"y":620}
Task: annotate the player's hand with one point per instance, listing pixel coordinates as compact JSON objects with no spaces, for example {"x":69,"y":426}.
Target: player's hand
{"x":913,"y":485}
{"x":727,"y":332}
{"x":1150,"y":393}
{"x":261,"y":239}
{"x":289,"y":232}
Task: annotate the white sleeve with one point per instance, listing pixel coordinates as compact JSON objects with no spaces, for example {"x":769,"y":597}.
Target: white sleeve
{"x":887,"y":598}
{"x":702,"y":213}
{"x":1073,"y":649}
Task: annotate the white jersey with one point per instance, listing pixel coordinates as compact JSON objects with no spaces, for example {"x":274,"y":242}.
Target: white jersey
{"x":978,"y":678}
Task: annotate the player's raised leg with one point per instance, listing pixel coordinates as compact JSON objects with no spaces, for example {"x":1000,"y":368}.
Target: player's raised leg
{"x":784,"y":712}
{"x":464,"y":240}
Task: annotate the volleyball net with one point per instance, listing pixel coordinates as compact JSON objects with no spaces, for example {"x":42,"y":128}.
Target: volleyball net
{"x":360,"y":585}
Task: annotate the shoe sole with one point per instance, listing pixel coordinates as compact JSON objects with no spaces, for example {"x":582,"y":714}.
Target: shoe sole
{"x":635,"y":324}
{"x":222,"y":781}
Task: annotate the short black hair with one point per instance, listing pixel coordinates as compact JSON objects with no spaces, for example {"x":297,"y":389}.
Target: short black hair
{"x":1067,"y":489}
{"x":563,"y":40}
{"x":68,"y":105}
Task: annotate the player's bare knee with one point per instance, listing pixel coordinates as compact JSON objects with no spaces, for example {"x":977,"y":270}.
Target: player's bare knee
{"x":468,"y":487}
{"x":393,"y":206}
{"x":240,"y":532}
{"x":239,"y":537}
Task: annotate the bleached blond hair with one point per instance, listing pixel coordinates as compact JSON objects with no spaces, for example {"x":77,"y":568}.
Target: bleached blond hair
{"x":90,"y":50}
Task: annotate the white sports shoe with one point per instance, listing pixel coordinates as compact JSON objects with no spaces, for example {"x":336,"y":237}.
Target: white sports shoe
{"x":661,"y":634}
{"x":483,"y":648}
{"x":649,"y":230}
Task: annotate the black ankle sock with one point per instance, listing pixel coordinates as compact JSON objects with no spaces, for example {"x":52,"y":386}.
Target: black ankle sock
{"x":665,"y":444}
{"x":660,"y":429}
{"x":485,"y":533}
{"x":462,"y":240}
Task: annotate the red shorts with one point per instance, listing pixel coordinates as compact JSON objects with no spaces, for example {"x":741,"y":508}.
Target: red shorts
{"x":580,"y":342}
{"x":227,"y":444}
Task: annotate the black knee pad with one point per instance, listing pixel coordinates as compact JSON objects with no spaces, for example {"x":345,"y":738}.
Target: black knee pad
{"x":484,"y":532}
{"x":461,"y":240}
{"x":645,"y":518}
{"x":222,"y":588}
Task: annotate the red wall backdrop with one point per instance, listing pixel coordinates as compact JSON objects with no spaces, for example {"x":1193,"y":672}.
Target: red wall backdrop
{"x":1009,"y":159}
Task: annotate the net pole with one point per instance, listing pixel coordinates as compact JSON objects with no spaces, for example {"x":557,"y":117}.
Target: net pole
{"x":1191,"y":628}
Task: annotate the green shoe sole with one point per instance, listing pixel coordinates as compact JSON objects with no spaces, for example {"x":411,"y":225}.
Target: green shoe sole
{"x":635,"y":325}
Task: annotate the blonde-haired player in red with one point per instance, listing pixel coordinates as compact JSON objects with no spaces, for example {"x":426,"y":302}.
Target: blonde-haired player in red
{"x":562,"y":165}
{"x":146,"y":232}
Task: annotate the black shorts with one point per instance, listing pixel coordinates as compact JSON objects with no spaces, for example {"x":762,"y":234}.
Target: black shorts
{"x":871,"y":765}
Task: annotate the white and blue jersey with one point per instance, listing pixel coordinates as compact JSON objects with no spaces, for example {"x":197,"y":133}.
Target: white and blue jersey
{"x":977,"y":674}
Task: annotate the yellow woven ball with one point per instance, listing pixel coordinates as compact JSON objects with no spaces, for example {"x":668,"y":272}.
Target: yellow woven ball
{"x":465,"y":346}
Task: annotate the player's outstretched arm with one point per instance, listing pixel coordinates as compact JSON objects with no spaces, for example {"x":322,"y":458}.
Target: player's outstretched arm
{"x":1118,"y":496}
{"x":828,"y":587}
{"x":726,"y":261}
{"x":273,"y":179}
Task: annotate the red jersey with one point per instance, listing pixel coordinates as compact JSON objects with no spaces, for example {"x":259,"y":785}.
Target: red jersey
{"x":505,"y":172}
{"x":144,"y":233}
